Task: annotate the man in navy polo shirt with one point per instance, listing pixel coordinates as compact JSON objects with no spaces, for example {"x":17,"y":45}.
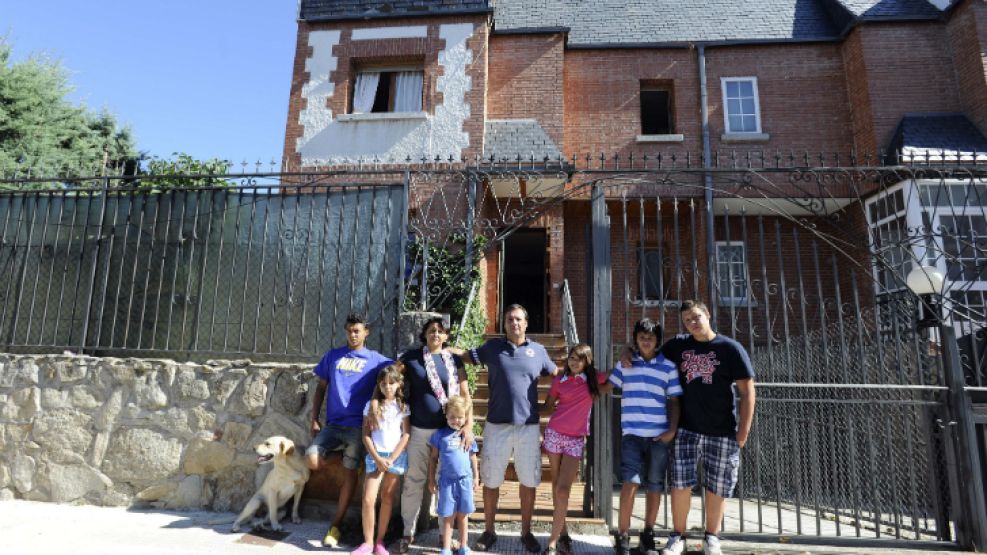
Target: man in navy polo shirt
{"x":514,"y":364}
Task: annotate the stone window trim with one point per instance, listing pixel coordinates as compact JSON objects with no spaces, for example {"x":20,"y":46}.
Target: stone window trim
{"x":747,"y":111}
{"x":670,"y":138}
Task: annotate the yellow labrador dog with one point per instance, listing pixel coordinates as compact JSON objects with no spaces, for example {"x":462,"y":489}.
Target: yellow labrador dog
{"x":286,"y":479}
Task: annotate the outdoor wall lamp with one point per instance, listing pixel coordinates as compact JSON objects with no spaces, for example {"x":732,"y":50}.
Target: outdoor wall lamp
{"x":927,"y":282}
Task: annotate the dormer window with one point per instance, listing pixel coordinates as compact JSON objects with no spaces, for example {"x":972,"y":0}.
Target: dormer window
{"x":387,"y":90}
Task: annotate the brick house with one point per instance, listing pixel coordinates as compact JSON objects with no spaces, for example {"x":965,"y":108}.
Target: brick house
{"x":558,"y":80}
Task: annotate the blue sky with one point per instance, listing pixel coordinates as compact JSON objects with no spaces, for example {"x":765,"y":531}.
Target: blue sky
{"x":206,"y":77}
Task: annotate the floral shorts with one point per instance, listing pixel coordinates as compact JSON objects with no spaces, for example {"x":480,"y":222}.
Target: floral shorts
{"x":563,"y":444}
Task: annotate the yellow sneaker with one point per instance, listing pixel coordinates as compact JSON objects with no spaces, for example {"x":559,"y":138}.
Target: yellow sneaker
{"x":332,"y":538}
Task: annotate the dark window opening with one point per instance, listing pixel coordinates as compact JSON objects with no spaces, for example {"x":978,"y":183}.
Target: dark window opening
{"x":656,"y":112}
{"x":382,"y":100}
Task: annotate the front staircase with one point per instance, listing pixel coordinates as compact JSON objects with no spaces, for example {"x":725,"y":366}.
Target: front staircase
{"x":509,"y":506}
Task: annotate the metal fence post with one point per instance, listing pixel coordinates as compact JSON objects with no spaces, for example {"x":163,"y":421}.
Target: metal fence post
{"x":602,"y":482}
{"x":971,"y":513}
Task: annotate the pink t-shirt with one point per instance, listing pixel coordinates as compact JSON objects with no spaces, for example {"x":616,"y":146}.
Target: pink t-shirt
{"x":571,"y":416}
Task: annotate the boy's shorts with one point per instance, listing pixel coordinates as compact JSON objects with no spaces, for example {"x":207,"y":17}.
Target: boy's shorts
{"x":720,"y":458}
{"x":556,"y":443}
{"x":643,"y":460}
{"x":332,"y":437}
{"x":398,"y":467}
{"x":500,"y":441}
{"x":455,"y":496}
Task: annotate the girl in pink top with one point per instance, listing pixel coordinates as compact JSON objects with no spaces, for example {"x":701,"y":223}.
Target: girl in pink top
{"x":572,"y":395}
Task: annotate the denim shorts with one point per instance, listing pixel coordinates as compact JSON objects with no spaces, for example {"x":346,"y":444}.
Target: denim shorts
{"x":348,"y":439}
{"x":399,"y":466}
{"x":643,"y":460}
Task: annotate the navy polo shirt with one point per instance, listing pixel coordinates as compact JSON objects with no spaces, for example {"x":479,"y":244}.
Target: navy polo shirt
{"x":513,"y":377}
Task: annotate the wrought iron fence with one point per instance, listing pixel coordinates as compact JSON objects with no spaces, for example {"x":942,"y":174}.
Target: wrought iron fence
{"x":266,"y":268}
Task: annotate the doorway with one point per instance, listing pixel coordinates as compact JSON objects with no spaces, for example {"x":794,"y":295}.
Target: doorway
{"x":523,"y":275}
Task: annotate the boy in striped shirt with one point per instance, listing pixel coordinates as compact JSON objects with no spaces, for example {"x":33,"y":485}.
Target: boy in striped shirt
{"x":649,"y":418}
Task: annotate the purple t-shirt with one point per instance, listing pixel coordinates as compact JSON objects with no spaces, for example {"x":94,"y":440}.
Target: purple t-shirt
{"x":352,"y":376}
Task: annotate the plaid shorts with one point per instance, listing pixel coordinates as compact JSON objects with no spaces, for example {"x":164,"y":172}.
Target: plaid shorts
{"x":720,"y":457}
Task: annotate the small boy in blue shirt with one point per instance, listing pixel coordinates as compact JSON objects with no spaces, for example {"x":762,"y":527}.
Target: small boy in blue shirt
{"x":649,"y":419}
{"x":458,"y":476}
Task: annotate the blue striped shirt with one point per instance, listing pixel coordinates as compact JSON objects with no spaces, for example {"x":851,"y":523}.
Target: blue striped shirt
{"x":646,"y":387}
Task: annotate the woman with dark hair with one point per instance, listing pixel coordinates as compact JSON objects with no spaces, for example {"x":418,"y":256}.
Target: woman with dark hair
{"x":433,"y":375}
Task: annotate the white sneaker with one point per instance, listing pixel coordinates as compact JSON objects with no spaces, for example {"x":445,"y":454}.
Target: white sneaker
{"x":711,"y":545}
{"x":675,"y":546}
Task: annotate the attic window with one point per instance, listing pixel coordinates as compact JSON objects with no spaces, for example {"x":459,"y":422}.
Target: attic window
{"x":376,"y":91}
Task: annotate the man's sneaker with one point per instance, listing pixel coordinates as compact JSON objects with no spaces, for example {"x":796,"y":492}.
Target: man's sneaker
{"x":675,"y":545}
{"x":332,"y":538}
{"x":621,"y":544}
{"x":647,"y":540}
{"x":711,"y":545}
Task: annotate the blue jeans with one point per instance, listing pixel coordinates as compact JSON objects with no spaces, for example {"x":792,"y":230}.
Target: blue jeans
{"x":643,"y":460}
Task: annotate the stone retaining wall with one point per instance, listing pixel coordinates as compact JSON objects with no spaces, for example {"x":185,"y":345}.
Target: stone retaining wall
{"x":110,"y":431}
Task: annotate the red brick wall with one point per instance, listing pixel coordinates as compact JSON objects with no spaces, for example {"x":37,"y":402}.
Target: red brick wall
{"x":525,"y":80}
{"x":905,"y":68}
{"x":802,"y":92}
{"x":349,"y":53}
{"x":602,"y":99}
{"x":967,"y":31}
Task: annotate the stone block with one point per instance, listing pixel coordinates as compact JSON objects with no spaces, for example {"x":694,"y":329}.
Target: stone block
{"x":149,"y":394}
{"x":71,"y":371}
{"x":4,"y":476}
{"x":288,"y":394}
{"x":189,"y":387}
{"x":55,"y":399}
{"x":85,"y":397}
{"x":157,"y":491}
{"x":234,"y":487}
{"x":22,"y":472}
{"x":140,"y":455}
{"x":106,"y":415}
{"x":251,"y":397}
{"x":173,"y":420}
{"x":6,"y":495}
{"x":63,"y":432}
{"x":203,"y":456}
{"x":227,"y":384}
{"x":188,"y":495}
{"x":98,"y":451}
{"x":69,"y":483}
{"x":200,"y":419}
{"x":22,"y":404}
{"x":236,"y":434}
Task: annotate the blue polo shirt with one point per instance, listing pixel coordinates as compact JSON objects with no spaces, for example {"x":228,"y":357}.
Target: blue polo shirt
{"x":513,"y":372}
{"x":352,"y":376}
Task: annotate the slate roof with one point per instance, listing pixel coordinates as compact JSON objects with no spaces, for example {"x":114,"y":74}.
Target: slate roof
{"x":890,"y":8}
{"x":505,"y":139}
{"x":648,"y":22}
{"x":937,"y":134}
{"x":316,"y":10}
{"x":668,"y":21}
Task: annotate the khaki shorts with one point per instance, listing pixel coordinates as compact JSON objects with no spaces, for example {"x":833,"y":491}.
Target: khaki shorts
{"x":500,"y":442}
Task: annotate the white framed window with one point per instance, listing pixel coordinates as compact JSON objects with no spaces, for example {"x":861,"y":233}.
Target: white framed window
{"x":741,"y":107}
{"x":381,"y":90}
{"x":731,"y":270}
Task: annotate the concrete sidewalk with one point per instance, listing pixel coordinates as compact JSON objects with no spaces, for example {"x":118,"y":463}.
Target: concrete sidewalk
{"x":28,"y":527}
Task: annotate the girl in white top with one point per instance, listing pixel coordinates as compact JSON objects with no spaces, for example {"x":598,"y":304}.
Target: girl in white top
{"x":386,"y":429}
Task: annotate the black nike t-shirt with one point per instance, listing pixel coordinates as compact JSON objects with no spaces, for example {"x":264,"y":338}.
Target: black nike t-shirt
{"x":707,"y":370}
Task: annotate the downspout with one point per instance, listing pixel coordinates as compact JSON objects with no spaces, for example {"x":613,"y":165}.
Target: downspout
{"x":708,"y":184}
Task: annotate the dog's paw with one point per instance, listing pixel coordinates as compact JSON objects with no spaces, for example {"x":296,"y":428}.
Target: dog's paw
{"x":296,"y":519}
{"x":235,"y":528}
{"x":276,"y":526}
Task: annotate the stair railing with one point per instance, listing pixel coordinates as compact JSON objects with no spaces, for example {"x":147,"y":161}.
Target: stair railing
{"x":568,"y":317}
